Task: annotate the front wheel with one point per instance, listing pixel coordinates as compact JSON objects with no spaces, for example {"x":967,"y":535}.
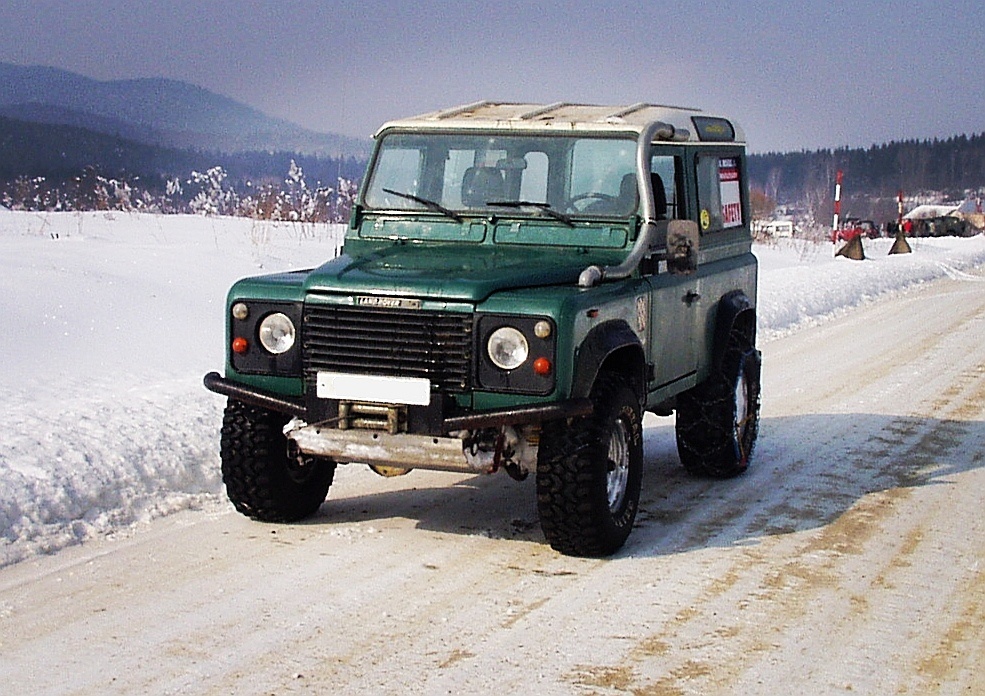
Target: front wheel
{"x":262,"y":481}
{"x":718,"y":420}
{"x":589,"y":473}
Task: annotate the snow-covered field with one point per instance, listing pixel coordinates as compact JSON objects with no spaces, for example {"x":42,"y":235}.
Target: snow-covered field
{"x":112,"y":319}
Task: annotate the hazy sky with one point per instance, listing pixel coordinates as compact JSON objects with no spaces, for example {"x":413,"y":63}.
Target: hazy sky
{"x":830,"y":74}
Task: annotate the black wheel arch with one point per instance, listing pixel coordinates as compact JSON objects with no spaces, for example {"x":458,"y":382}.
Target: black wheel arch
{"x":735,"y":312}
{"x":614,"y":347}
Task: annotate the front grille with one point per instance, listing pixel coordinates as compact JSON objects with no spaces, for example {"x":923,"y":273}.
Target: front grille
{"x":388,"y":342}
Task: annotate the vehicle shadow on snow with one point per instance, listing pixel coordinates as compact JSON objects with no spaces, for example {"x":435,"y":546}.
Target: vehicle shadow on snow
{"x":806,"y":472}
{"x":493,"y":506}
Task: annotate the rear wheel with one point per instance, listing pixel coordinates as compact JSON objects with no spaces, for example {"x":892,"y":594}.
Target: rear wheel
{"x":262,"y":481}
{"x":718,"y":420}
{"x":589,"y":473}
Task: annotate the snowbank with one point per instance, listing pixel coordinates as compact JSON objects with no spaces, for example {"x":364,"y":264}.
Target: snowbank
{"x":112,"y":319}
{"x":801,"y":283}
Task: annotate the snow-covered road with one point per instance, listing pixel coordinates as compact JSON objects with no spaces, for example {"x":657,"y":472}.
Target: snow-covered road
{"x":849,"y":559}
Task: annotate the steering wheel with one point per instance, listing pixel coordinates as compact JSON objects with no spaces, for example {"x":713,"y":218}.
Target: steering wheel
{"x":590,"y":196}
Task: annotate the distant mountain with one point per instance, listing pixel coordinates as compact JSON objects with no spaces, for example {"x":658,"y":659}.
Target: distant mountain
{"x":61,"y":152}
{"x":158,"y":111}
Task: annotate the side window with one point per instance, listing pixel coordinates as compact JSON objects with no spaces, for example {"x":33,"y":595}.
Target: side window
{"x":669,"y":170}
{"x":719,"y":192}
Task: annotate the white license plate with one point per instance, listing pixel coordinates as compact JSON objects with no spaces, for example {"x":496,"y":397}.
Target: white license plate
{"x":414,"y":391}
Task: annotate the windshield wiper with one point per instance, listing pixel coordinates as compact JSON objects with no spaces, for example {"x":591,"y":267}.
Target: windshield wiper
{"x":543,"y":207}
{"x":427,"y":203}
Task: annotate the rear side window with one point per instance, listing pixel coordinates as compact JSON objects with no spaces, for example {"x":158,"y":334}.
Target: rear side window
{"x":719,"y":192}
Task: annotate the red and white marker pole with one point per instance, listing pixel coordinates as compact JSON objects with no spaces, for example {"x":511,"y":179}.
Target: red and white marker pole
{"x":834,"y":227}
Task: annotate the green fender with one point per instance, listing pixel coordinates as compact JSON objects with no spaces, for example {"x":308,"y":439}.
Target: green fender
{"x":735,"y":310}
{"x":614,"y":345}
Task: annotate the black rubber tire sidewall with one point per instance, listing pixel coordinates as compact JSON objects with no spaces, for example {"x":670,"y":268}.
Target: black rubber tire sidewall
{"x":572,"y":493}
{"x":707,"y":439}
{"x":261,"y":481}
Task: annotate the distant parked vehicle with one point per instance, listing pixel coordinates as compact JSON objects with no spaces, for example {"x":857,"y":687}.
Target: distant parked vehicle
{"x":776,"y":228}
{"x":943,"y":220}
{"x":853,"y":228}
{"x":944,"y":226}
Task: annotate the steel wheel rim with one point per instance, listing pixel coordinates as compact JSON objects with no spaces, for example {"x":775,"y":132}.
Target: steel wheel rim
{"x":741,"y":404}
{"x":617,"y":466}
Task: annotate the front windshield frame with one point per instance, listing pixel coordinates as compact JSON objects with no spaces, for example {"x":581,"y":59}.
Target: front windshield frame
{"x":532,"y":174}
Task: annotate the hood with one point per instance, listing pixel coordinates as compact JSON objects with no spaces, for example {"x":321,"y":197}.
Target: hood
{"x":468,"y":273}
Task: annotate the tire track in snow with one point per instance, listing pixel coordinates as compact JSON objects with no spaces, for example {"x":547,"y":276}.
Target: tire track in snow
{"x":845,"y":572}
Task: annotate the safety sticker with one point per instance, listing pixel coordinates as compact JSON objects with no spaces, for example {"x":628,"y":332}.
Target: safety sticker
{"x":728,"y":186}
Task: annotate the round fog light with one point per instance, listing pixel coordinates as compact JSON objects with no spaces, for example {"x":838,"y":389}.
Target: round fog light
{"x":277,"y":333}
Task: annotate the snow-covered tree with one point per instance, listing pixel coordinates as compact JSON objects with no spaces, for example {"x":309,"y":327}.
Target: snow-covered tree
{"x":213,"y":197}
{"x":345,"y":199}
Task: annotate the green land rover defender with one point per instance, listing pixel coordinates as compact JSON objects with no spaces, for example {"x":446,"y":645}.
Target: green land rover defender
{"x":519,"y":283}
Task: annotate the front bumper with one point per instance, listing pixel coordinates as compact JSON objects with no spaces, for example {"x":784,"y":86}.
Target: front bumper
{"x":218,"y":384}
{"x":402,"y":450}
{"x":518,"y":415}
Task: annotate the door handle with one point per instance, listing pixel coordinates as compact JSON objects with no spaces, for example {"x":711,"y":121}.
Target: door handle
{"x":691,"y":296}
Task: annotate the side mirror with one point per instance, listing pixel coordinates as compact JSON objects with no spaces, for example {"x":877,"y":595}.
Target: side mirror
{"x":679,"y":241}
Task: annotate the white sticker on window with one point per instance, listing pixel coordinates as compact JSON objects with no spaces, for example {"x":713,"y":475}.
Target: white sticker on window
{"x":728,"y":186}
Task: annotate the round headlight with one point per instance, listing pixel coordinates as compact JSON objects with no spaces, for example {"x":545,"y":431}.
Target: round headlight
{"x":277,"y":333}
{"x":507,"y":348}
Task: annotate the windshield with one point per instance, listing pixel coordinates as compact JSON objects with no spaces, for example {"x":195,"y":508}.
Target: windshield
{"x":539,"y":175}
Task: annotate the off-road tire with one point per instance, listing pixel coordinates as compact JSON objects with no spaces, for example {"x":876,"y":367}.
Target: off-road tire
{"x":718,"y":420}
{"x":586,"y":501}
{"x":261,"y":480}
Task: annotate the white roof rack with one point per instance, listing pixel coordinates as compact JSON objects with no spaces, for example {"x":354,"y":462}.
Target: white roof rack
{"x":561,"y":116}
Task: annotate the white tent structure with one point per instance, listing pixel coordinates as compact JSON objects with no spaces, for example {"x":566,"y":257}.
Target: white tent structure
{"x":959,"y":210}
{"x":925,"y":212}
